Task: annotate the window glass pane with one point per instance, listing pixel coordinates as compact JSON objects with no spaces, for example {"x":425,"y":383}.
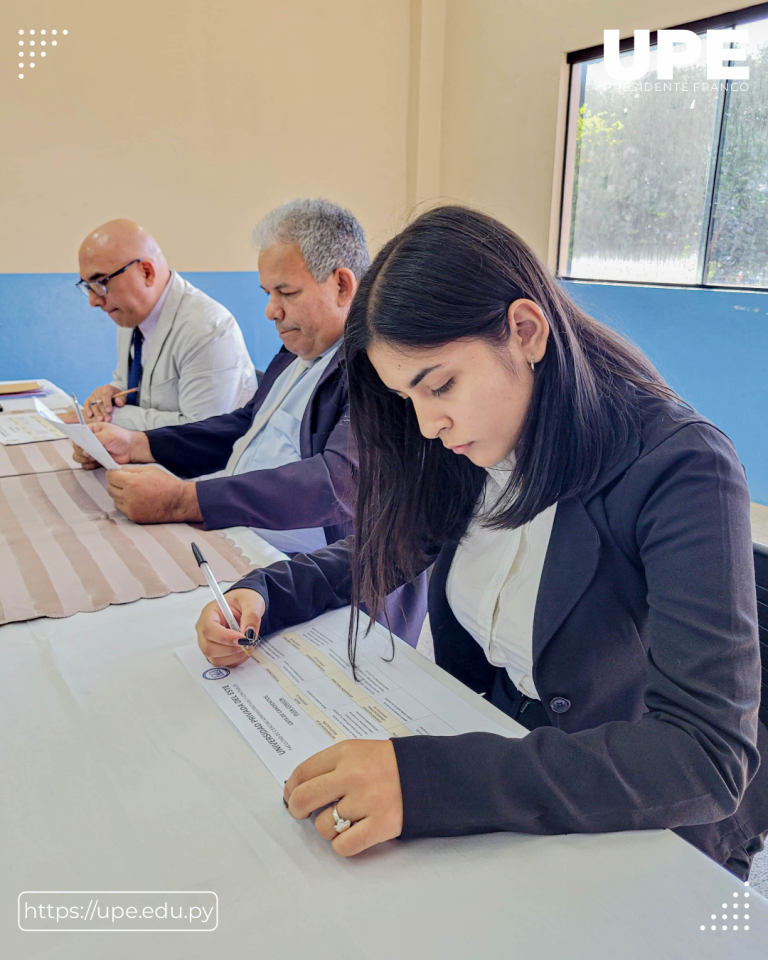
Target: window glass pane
{"x":738,"y":252}
{"x":641,"y":174}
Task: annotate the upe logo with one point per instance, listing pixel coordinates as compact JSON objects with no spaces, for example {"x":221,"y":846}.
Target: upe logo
{"x":217,"y":673}
{"x":671,"y":55}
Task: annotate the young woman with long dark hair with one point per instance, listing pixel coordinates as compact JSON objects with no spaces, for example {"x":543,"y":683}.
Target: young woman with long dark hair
{"x":592,"y":573}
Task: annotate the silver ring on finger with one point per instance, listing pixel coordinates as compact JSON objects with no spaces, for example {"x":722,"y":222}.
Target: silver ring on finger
{"x":340,"y":824}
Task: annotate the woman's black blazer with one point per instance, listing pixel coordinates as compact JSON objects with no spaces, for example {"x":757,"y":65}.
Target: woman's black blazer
{"x":645,"y":656}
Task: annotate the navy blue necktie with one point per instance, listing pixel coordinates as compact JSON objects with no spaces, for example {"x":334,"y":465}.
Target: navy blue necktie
{"x":134,"y":368}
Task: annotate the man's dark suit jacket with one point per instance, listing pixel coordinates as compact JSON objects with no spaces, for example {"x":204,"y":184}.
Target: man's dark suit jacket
{"x":315,"y":491}
{"x":312,"y":492}
{"x":645,"y":656}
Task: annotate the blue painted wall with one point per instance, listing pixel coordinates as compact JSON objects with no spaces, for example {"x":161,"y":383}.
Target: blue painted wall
{"x":710,"y":345}
{"x":47,"y":328}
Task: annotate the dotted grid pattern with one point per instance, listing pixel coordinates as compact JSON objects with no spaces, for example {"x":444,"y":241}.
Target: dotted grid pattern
{"x":34,"y":45}
{"x":737,"y":910}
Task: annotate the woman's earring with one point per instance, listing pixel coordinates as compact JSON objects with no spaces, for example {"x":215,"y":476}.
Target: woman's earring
{"x":533,"y":368}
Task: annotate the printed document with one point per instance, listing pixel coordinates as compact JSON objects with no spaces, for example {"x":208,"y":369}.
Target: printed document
{"x":26,"y":428}
{"x":296,"y":694}
{"x":80,"y":434}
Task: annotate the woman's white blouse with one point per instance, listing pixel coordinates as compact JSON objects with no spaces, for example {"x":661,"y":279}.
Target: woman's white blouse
{"x":494,"y":581}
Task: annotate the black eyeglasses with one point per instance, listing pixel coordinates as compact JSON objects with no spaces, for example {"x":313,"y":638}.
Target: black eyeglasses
{"x":99,"y":287}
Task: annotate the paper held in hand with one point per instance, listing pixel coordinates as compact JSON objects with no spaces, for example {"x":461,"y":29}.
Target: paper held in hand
{"x":80,"y":435}
{"x":296,"y":695}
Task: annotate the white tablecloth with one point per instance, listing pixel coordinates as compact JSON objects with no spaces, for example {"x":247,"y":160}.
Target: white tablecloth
{"x":118,"y":773}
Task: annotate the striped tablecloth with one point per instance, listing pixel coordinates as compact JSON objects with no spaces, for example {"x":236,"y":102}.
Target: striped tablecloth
{"x":22,"y":458}
{"x":66,"y":549}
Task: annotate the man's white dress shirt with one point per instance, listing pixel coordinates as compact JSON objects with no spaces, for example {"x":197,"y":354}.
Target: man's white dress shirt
{"x":149,"y":324}
{"x":275,"y":440}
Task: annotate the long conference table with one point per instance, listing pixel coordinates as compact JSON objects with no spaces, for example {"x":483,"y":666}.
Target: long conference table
{"x":120,"y":774}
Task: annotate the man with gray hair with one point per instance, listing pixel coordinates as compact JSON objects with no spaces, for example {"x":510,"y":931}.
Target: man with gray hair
{"x":284,"y":459}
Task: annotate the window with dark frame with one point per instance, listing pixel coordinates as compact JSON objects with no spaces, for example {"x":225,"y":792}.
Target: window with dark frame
{"x":666,"y":182}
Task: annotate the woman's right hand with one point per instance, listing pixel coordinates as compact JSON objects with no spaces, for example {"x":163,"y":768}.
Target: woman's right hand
{"x":216,"y":640}
{"x":116,"y":440}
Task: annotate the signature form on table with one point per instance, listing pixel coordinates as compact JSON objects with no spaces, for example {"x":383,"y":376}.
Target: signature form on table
{"x":296,"y":695}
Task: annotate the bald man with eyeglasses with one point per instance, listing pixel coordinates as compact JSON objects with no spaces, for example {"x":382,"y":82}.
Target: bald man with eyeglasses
{"x":181,"y":356}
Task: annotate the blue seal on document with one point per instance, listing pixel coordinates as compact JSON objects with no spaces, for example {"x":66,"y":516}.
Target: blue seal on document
{"x":217,"y":673}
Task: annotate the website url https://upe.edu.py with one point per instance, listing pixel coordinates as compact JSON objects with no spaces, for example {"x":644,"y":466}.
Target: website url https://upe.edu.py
{"x":189,"y":911}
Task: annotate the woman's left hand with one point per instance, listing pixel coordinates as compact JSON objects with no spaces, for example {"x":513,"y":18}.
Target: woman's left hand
{"x":362,"y":779}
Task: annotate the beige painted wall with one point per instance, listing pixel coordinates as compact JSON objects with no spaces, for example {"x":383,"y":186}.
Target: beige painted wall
{"x":195,"y":117}
{"x":505,"y":85}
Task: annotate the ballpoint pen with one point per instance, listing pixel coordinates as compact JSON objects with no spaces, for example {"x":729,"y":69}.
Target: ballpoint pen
{"x":251,"y":638}
{"x":78,"y":411}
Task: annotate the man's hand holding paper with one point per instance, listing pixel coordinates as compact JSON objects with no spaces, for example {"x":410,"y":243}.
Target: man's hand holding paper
{"x":115,"y":440}
{"x":80,"y":436}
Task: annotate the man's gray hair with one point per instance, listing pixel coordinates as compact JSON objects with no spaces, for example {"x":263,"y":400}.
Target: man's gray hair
{"x":328,"y":236}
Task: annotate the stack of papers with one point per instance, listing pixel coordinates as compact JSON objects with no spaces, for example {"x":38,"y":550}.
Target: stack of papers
{"x":9,"y":387}
{"x":15,"y":402}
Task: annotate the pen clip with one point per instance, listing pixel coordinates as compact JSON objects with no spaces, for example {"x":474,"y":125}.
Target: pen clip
{"x":78,"y":409}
